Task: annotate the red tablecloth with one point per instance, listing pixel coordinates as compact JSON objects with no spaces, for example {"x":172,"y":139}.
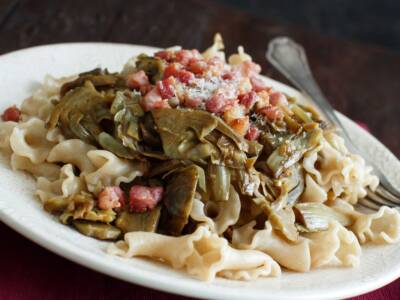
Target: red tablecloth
{"x":28,"y":271}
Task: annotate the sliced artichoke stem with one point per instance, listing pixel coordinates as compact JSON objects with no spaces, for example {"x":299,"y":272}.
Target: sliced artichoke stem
{"x":316,"y":216}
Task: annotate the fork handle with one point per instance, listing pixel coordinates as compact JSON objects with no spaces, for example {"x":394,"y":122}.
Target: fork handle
{"x":290,"y":59}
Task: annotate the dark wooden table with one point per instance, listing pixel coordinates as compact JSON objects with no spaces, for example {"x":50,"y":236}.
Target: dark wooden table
{"x":361,"y":81}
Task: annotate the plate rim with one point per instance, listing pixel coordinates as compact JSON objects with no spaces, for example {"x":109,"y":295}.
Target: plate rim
{"x":142,"y":278}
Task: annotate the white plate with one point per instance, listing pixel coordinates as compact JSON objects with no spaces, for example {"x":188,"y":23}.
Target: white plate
{"x":22,"y":71}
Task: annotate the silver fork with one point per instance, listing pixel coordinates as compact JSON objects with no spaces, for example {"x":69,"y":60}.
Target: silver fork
{"x":289,"y":58}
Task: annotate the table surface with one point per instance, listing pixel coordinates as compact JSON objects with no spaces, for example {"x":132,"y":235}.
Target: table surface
{"x":361,"y":81}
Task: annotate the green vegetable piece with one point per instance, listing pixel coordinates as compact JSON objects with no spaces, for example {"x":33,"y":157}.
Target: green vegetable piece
{"x":149,"y":133}
{"x":103,"y":216}
{"x":80,"y":111}
{"x":147,"y":221}
{"x":108,"y":142}
{"x":292,"y":124}
{"x":198,"y":136}
{"x":98,"y":77}
{"x":239,"y":141}
{"x":55,"y":205}
{"x":97,"y":230}
{"x":282,"y":220}
{"x":316,"y":216}
{"x":229,"y":155}
{"x":127,"y":113}
{"x":202,"y":178}
{"x":77,"y":204}
{"x":291,"y":151}
{"x":182,"y":133}
{"x":178,"y":200}
{"x":312,"y":110}
{"x":294,"y":184}
{"x":152,"y":66}
{"x":302,"y":115}
{"x":161,"y":168}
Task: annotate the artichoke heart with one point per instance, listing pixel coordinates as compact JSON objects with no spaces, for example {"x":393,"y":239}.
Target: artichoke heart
{"x":127,"y":111}
{"x":199,"y":136}
{"x":80,"y":111}
{"x":291,"y":151}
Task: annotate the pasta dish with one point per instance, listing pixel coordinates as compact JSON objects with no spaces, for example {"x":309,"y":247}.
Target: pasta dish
{"x":192,"y":159}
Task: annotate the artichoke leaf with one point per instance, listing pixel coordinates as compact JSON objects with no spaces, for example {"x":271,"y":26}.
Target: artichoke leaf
{"x":291,"y":151}
{"x":182,"y":133}
{"x":103,"y":216}
{"x":108,"y":142}
{"x":227,"y":130}
{"x":293,"y":183}
{"x":163,"y":167}
{"x":147,"y":221}
{"x":198,"y":135}
{"x":253,"y":148}
{"x":97,"y":215}
{"x":201,"y":183}
{"x":229,"y":154}
{"x":55,"y":205}
{"x":99,"y":231}
{"x":179,"y":121}
{"x":304,"y":116}
{"x":80,"y":111}
{"x":316,"y":216}
{"x":178,"y":200}
{"x":272,"y":140}
{"x":152,"y":66}
{"x":282,"y":220}
{"x":131,"y":121}
{"x":97,"y":77}
{"x":148,"y":131}
{"x":127,"y":112}
{"x":77,"y":204}
{"x":220,"y":181}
